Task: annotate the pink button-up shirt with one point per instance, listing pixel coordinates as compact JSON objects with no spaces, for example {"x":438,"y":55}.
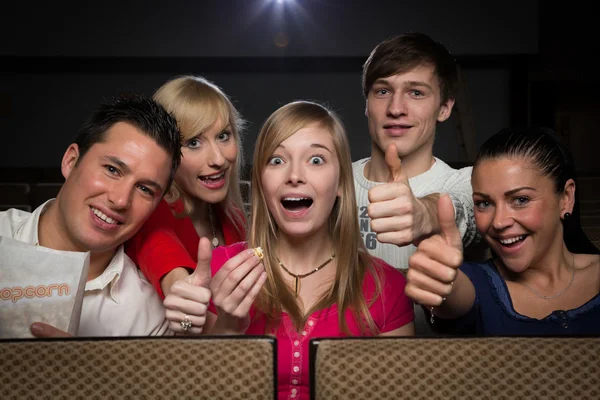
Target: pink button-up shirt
{"x":391,"y":310}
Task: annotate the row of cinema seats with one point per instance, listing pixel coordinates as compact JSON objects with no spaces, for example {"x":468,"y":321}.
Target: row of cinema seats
{"x":25,"y":196}
{"x":344,"y":368}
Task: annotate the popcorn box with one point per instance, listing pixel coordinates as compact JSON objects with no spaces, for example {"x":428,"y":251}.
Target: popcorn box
{"x":38,"y":284}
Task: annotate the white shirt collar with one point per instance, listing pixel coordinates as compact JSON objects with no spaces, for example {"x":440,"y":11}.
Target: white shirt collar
{"x":111,"y":275}
{"x":28,"y":231}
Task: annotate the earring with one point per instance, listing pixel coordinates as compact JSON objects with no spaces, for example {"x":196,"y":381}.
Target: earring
{"x":567,"y":216}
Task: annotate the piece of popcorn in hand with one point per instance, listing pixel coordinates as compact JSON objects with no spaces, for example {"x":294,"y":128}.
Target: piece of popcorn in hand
{"x":258,"y":252}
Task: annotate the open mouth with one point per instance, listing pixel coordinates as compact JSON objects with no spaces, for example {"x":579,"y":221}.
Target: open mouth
{"x":512,"y":242}
{"x":105,"y":217}
{"x":214,"y":181}
{"x":296,"y":204}
{"x":212,"y":178}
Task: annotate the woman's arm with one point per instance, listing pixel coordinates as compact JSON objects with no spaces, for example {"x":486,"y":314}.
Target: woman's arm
{"x":157,"y":250}
{"x":178,"y":274}
{"x":406,"y":330}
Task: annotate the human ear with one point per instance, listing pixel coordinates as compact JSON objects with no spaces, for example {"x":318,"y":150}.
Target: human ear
{"x":567,"y":201}
{"x":445,"y":110}
{"x":69,"y":160}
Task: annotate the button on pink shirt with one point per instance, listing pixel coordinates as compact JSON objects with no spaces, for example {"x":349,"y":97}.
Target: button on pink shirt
{"x":392,"y":310}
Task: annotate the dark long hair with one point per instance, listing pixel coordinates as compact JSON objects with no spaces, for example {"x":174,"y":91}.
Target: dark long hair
{"x":540,"y":147}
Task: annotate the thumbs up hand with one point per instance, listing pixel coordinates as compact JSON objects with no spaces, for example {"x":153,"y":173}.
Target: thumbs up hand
{"x":448,"y":229}
{"x":434,"y":266}
{"x":397,"y":174}
{"x":202,"y":274}
{"x":397,"y":216}
{"x":187,"y":302}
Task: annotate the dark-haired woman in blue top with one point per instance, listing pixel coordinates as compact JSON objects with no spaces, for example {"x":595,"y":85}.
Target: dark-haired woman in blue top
{"x":544,"y":276}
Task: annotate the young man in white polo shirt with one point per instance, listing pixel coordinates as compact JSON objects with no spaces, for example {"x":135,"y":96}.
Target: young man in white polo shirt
{"x":116,"y":172}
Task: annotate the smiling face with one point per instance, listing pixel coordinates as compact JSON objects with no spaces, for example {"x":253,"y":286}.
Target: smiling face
{"x":208,"y":160}
{"x":404,"y":109}
{"x":110,"y":191}
{"x":301,"y":182}
{"x":518,"y":211}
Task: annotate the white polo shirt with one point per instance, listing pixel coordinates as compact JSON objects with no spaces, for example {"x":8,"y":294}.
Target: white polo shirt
{"x":120,"y":302}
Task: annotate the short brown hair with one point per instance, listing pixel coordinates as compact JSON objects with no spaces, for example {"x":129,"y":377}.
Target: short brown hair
{"x":404,"y":52}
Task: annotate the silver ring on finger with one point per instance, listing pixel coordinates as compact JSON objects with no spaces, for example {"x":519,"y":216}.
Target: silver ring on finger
{"x":186,"y":324}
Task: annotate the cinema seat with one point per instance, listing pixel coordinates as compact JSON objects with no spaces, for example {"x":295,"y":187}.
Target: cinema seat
{"x":456,"y":368}
{"x":139,"y":368}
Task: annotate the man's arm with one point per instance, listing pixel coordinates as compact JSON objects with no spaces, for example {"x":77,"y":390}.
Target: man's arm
{"x":457,"y":184}
{"x":425,"y":218}
{"x":402,"y":215}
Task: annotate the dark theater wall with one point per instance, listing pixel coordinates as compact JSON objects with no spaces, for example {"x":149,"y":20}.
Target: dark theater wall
{"x":57,"y":61}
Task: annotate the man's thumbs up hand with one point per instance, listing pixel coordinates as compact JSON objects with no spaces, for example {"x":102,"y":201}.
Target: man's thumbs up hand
{"x":397,"y":216}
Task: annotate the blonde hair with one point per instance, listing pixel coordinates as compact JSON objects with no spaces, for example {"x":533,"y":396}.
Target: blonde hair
{"x":198,"y":104}
{"x":353,"y":260}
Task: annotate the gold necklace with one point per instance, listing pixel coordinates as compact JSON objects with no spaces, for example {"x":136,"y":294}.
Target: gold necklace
{"x":298,"y":277}
{"x":215,"y":239}
{"x":559,"y":293}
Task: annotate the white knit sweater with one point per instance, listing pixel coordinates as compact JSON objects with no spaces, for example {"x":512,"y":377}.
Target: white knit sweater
{"x":440,"y":178}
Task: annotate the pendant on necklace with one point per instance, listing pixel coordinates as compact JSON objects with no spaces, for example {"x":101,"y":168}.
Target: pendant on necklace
{"x":215,"y":242}
{"x":297,"y":284}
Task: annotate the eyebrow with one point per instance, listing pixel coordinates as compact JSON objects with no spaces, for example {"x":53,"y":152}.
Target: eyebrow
{"x":313,"y":145}
{"x":320,"y":146}
{"x":226,"y":128}
{"x":405,"y":84}
{"x":125,"y":168}
{"x":418,"y":83}
{"x":509,"y":193}
{"x":120,"y":163}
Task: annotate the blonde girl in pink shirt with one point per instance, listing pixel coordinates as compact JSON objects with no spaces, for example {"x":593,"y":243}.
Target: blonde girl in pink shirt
{"x":316,"y":278}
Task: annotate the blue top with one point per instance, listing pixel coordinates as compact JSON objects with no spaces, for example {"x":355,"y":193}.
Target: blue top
{"x":493,"y":312}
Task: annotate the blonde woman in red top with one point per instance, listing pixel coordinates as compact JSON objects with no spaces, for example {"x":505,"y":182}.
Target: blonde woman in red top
{"x":204,"y":201}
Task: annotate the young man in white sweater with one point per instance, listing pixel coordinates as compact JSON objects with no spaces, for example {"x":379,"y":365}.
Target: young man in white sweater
{"x":409,"y":83}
